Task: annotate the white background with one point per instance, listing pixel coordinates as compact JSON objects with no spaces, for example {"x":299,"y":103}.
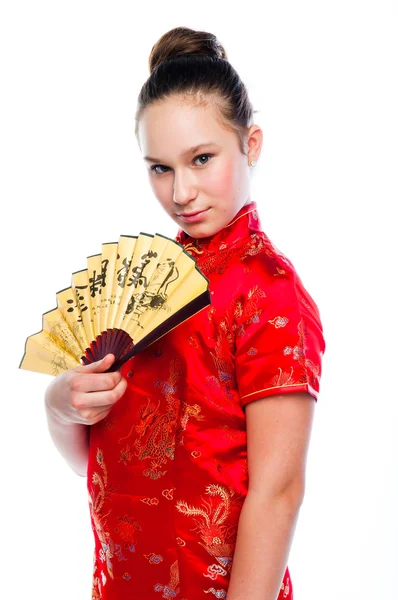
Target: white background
{"x":322,"y":76}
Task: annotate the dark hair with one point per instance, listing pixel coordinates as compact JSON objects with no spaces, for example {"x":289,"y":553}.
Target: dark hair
{"x":192,"y":64}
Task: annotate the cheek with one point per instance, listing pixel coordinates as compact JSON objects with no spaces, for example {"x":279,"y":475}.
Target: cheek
{"x":158,"y":186}
{"x":160,"y":191}
{"x":221,"y":179}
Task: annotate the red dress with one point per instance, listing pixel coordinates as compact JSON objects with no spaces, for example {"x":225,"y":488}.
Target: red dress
{"x":167,"y":473}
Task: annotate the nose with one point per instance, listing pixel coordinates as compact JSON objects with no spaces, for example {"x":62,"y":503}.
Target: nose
{"x":184,"y":190}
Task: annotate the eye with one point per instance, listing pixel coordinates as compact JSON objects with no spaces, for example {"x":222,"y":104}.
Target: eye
{"x":154,"y":167}
{"x":201,"y":156}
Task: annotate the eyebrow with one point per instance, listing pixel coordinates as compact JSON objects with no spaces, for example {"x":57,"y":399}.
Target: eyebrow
{"x":191,"y":150}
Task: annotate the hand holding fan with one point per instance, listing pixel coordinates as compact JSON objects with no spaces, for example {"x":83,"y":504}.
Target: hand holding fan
{"x":129,"y":296}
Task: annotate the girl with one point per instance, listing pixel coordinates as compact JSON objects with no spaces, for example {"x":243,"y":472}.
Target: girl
{"x":195,"y":451}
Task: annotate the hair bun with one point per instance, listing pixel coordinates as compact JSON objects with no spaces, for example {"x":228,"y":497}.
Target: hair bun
{"x":183,"y":40}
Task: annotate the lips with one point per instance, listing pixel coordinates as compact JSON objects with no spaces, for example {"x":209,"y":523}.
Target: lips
{"x":191,"y":214}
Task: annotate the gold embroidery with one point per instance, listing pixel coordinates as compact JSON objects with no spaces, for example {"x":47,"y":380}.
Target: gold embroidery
{"x":154,"y":559}
{"x":187,"y":411}
{"x":279,"y":321}
{"x":286,"y":588}
{"x":231,"y":435}
{"x":149,"y":501}
{"x":168,"y":493}
{"x":307,"y":387}
{"x":217,"y":593}
{"x":108,"y":423}
{"x":191,"y":248}
{"x":248,"y":310}
{"x":193,"y":341}
{"x":126,"y":530}
{"x":96,"y":505}
{"x":156,"y":432}
{"x":218,"y":260}
{"x":180,"y":541}
{"x":283,"y":378}
{"x":125,"y":455}
{"x":223,"y":387}
{"x":253,"y":210}
{"x":171,"y":590}
{"x":218,"y":537}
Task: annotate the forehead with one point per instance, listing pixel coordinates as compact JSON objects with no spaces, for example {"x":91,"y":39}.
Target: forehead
{"x":170,"y":127}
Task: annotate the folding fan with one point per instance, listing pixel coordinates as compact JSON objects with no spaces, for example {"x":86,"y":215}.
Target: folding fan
{"x":129,"y":296}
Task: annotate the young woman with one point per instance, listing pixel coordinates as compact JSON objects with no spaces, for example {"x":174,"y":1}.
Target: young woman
{"x":195,"y":453}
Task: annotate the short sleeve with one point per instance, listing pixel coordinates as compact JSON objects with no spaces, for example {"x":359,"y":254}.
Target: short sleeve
{"x":279,"y":340}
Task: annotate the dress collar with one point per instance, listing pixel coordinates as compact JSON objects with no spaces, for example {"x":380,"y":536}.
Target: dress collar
{"x":243,"y":224}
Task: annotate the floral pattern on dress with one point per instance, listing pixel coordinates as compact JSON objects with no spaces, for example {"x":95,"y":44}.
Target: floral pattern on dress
{"x":216,"y":532}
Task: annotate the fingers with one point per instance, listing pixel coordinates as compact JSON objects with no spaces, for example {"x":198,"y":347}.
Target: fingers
{"x":95,"y":382}
{"x":97,"y":367}
{"x":90,"y":416}
{"x":100,"y":399}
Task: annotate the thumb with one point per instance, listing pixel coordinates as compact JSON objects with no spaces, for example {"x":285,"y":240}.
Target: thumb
{"x":97,"y":367}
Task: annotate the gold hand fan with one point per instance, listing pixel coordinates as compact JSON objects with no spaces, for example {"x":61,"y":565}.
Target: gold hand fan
{"x":129,"y":296}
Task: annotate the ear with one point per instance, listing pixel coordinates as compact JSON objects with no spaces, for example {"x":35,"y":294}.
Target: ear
{"x":254,"y":141}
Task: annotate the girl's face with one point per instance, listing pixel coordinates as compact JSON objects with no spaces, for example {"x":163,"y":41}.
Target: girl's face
{"x":213,"y":179}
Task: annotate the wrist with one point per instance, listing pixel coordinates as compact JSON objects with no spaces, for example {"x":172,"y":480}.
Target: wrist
{"x":52,"y":412}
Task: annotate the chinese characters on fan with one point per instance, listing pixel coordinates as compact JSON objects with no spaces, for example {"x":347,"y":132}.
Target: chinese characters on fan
{"x":162,"y":275}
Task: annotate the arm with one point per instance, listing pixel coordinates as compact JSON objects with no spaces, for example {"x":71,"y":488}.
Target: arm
{"x":75,"y":400}
{"x":71,"y":440}
{"x":278,"y":433}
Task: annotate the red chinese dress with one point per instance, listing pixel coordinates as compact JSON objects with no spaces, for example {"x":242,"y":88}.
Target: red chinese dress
{"x":167,"y":473}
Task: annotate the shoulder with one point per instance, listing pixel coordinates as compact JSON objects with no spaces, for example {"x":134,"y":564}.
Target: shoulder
{"x":265,"y":266}
{"x":261,"y":259}
{"x":271,"y":280}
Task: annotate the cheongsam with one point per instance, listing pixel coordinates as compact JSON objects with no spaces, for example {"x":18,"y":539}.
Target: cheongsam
{"x":167,"y":471}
